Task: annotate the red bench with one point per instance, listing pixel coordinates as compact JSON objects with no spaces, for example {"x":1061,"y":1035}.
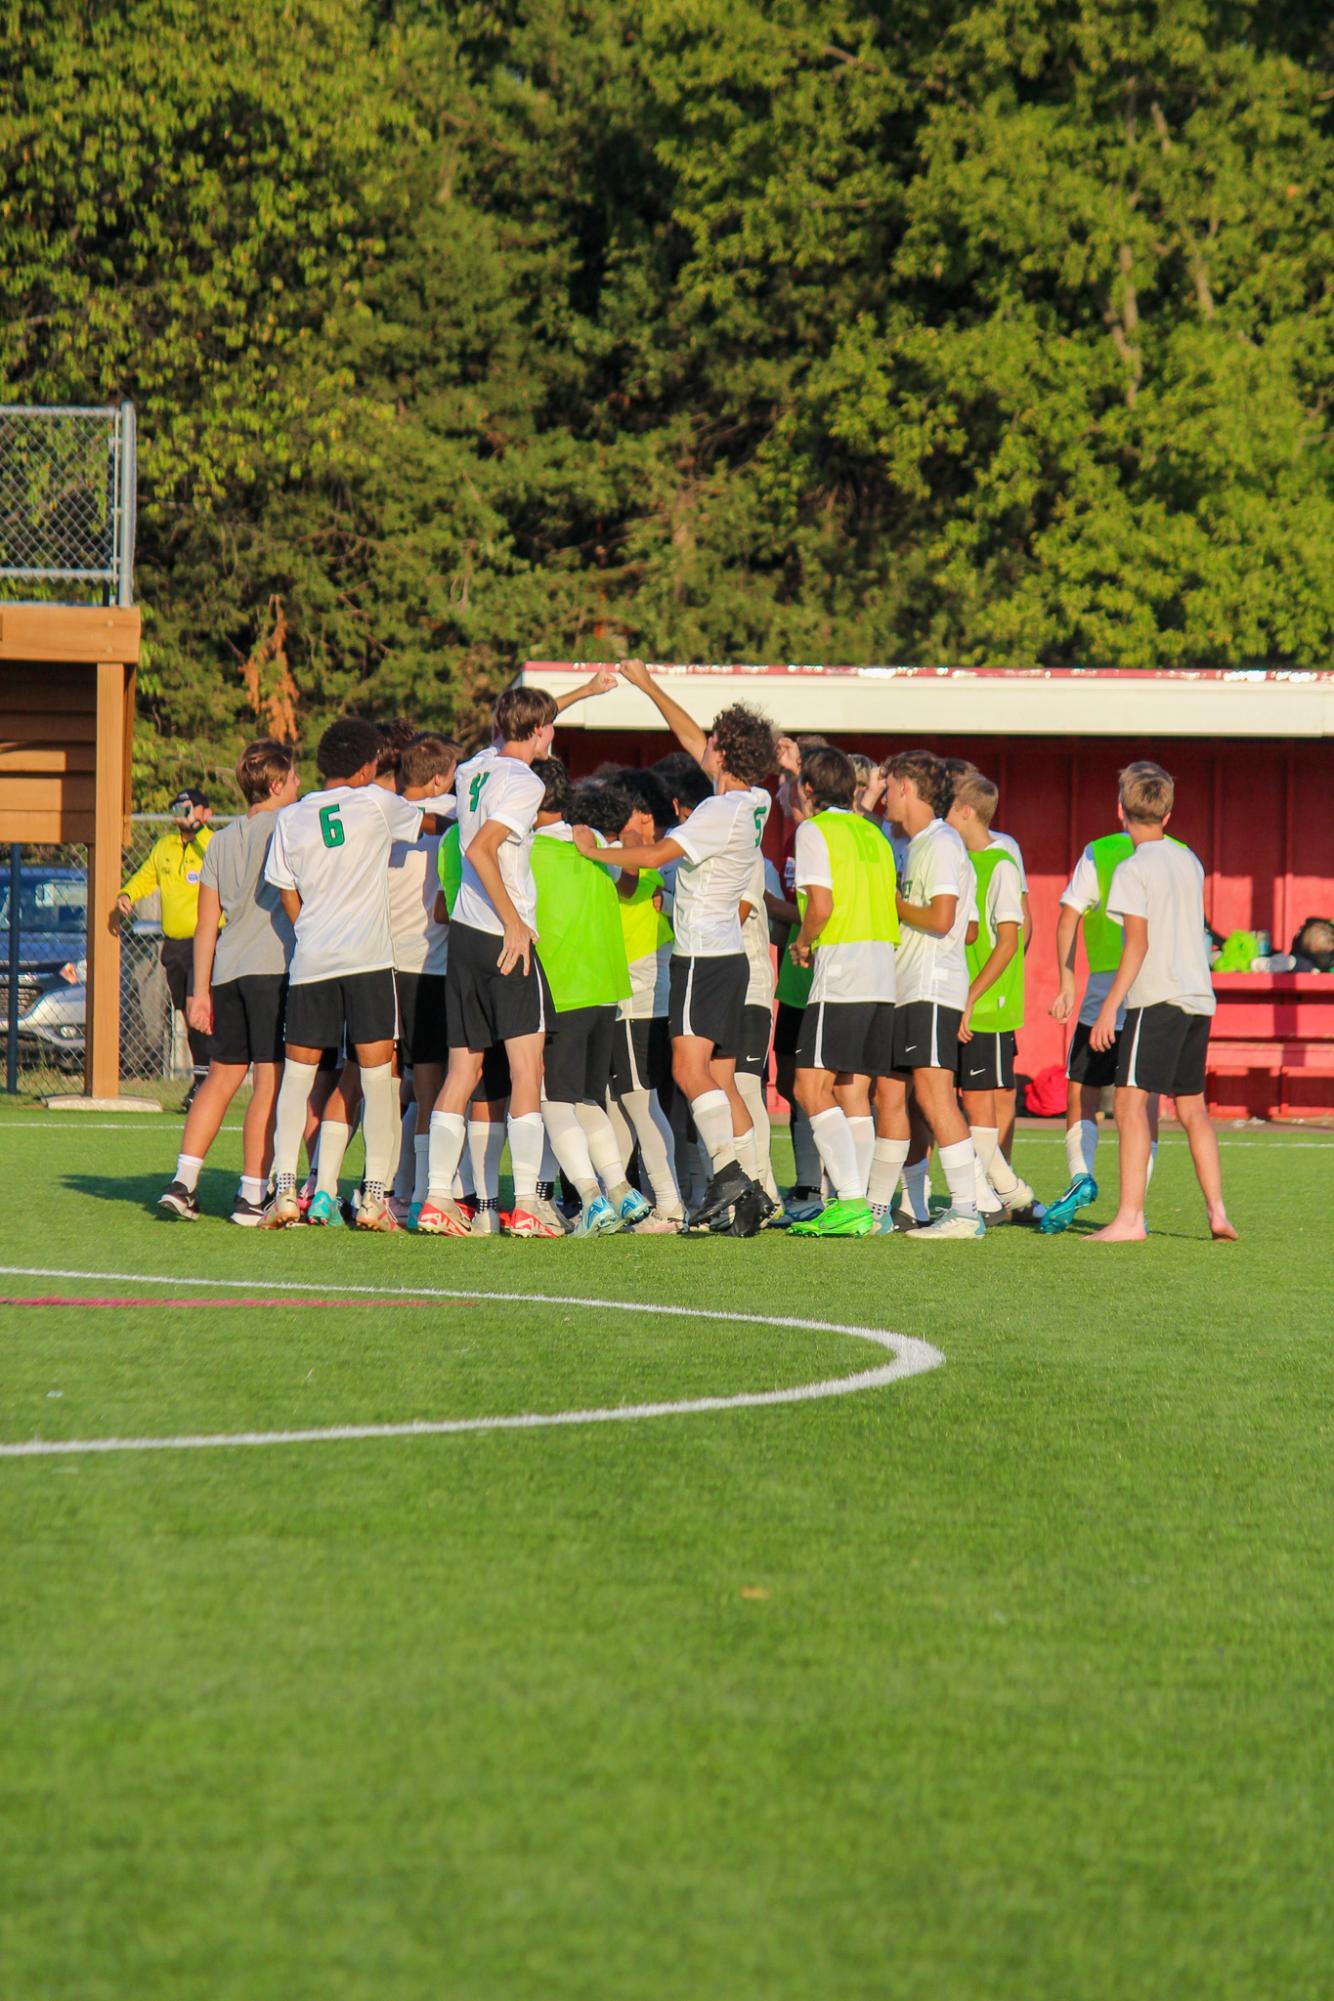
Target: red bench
{"x":1271,"y":1050}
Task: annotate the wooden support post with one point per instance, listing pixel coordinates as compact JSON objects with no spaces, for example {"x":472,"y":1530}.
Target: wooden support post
{"x":102,"y":1020}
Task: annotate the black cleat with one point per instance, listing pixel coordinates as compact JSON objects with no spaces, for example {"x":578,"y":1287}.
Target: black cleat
{"x":178,"y":1200}
{"x":250,"y":1215}
{"x":728,"y":1185}
{"x":752,"y":1211}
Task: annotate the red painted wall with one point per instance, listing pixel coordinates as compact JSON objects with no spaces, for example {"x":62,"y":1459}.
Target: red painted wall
{"x":1258,"y":813}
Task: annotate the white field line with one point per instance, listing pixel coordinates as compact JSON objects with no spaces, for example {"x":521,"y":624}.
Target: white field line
{"x":911,"y":1358}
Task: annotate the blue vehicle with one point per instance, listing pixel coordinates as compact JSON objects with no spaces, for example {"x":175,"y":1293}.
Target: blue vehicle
{"x":53,"y":929}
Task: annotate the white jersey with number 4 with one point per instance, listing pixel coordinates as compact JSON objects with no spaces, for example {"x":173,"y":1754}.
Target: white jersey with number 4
{"x":719,"y":843}
{"x":492,"y":787}
{"x":332,"y":848}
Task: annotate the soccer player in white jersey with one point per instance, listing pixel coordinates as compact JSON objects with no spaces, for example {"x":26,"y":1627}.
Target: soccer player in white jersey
{"x":495,"y":989}
{"x":714,"y":850}
{"x":849,"y":929}
{"x":937,"y":906}
{"x":421,"y":954}
{"x":328,"y":860}
{"x":1157,"y":896}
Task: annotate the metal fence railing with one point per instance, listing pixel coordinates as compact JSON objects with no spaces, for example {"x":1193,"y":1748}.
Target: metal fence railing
{"x":50,"y":944}
{"x":68,"y":498}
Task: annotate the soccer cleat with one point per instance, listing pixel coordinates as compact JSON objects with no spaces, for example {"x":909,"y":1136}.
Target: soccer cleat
{"x":802,"y":1205}
{"x":374,"y":1213}
{"x":535,"y":1216}
{"x":1059,"y":1214}
{"x":727,"y":1186}
{"x":304,"y":1200}
{"x":597,"y":1218}
{"x":632,"y":1208}
{"x":852,"y":1218}
{"x":283,"y":1211}
{"x":486,"y":1223}
{"x":949,"y":1227}
{"x":751,"y":1212}
{"x":656,"y":1225}
{"x":248,"y":1214}
{"x":325,"y":1211}
{"x":400,"y":1211}
{"x":180,"y":1201}
{"x":445,"y":1218}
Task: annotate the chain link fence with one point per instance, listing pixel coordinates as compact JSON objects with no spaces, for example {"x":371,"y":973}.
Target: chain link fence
{"x":67,"y":498}
{"x":52,"y":996}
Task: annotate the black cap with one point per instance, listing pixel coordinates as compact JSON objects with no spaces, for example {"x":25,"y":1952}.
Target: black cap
{"x":189,"y":796}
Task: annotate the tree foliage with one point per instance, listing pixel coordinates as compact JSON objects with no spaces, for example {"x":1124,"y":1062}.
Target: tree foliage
{"x":750,"y":329}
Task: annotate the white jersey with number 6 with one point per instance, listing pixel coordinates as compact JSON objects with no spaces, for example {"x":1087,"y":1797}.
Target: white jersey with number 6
{"x":719,"y":843}
{"x":492,"y":787}
{"x":332,"y":848}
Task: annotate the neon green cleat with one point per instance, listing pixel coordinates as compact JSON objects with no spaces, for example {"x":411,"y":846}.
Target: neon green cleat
{"x":838,"y":1219}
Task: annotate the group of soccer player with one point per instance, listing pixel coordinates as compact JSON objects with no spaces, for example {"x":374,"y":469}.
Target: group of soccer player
{"x":469,"y":952}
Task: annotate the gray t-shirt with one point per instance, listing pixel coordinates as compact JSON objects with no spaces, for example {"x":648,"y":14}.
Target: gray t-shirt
{"x":257,"y":937}
{"x":1164,"y":883}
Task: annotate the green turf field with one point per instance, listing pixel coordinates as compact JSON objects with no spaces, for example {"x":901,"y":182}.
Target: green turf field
{"x":1008,"y":1679}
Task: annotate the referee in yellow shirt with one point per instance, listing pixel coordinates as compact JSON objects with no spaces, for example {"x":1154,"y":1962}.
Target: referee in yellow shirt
{"x":173,"y":867}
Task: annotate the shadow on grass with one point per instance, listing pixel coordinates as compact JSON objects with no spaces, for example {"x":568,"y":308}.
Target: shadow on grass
{"x":217,"y":1188}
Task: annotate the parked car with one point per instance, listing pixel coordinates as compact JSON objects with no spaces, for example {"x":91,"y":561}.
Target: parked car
{"x":53,"y":928}
{"x":53,"y":941}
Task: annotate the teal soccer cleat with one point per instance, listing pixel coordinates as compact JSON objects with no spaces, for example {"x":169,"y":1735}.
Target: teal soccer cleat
{"x":1062,"y":1212}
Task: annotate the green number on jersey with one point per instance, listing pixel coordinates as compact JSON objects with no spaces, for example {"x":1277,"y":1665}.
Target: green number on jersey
{"x":759,"y":825}
{"x":475,"y":789}
{"x":331,"y":827}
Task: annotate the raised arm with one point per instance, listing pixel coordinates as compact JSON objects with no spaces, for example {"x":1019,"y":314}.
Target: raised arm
{"x":692,"y":739}
{"x":600,"y":683}
{"x":656,"y":855}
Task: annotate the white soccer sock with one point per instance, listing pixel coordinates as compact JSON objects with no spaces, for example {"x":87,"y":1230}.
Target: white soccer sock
{"x":986,"y":1144}
{"x":1081,"y":1146}
{"x":251,"y":1188}
{"x":805,"y":1153}
{"x":528,"y":1140}
{"x":713,"y":1122}
{"x":604,"y":1148}
{"x":187,"y":1170}
{"x":334,"y":1140}
{"x":987,"y":1200}
{"x":654,"y":1132}
{"x":960,"y":1164}
{"x":381,"y":1123}
{"x":486,"y":1144}
{"x":421,"y":1166}
{"x":290,"y":1119}
{"x":752,"y":1097}
{"x":887,"y":1158}
{"x":833,"y":1136}
{"x":569,"y":1143}
{"x":748,"y":1155}
{"x":1153,"y":1155}
{"x":625,"y":1137}
{"x":863,"y":1138}
{"x":917,"y":1188}
{"x":445,"y":1146}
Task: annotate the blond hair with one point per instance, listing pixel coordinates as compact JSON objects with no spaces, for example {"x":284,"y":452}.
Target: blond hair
{"x":972,"y":789}
{"x":1147,"y":792}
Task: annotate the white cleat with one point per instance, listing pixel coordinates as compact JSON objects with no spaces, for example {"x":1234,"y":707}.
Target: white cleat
{"x":949,"y":1227}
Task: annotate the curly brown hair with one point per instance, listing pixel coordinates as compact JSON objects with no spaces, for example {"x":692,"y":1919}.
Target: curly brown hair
{"x":745,"y":743}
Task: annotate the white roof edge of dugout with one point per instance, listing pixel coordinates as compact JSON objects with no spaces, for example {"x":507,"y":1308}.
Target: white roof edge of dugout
{"x":967,"y":701}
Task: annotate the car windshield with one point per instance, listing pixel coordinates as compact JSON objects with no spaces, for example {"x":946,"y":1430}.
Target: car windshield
{"x":46,"y":903}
